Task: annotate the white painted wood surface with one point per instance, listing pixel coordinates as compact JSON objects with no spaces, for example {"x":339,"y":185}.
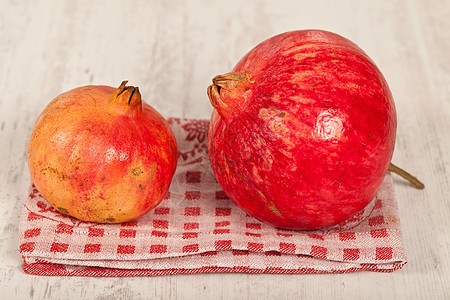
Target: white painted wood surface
{"x":171,"y":50}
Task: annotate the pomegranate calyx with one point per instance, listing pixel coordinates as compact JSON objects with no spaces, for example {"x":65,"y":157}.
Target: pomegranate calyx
{"x":229,"y":93}
{"x":231,"y":80}
{"x":127,"y":96}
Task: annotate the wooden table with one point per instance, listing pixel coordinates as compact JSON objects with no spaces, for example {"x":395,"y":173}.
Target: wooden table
{"x":171,"y":50}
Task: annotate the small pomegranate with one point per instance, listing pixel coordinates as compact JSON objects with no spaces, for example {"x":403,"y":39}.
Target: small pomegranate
{"x":101,"y":154}
{"x":303,"y":130}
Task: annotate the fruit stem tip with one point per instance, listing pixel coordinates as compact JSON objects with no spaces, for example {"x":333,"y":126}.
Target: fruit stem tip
{"x":402,"y":173}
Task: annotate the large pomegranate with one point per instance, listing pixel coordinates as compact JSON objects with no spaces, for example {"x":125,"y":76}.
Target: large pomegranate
{"x":303,"y":130}
{"x":101,"y":154}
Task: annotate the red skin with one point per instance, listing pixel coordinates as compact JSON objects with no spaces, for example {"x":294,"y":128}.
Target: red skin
{"x":305,"y":140}
{"x":98,"y":156}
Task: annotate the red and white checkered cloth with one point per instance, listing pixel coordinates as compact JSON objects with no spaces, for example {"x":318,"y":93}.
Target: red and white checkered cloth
{"x":197,"y":229}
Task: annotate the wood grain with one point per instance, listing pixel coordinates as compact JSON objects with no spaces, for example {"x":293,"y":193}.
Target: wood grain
{"x":171,"y":50}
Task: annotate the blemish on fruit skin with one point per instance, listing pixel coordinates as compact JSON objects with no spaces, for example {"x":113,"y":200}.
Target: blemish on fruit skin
{"x":274,"y":119}
{"x":336,"y":182}
{"x":153,"y":171}
{"x":63,"y":210}
{"x":137,"y":171}
{"x":84,"y":182}
{"x":270,"y":204}
{"x":277,"y":121}
{"x":55,"y":172}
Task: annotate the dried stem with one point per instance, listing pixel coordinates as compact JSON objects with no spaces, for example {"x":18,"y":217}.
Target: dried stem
{"x":413,"y":180}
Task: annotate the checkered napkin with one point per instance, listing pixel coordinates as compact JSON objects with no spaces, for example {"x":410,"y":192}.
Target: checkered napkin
{"x":197,"y":229}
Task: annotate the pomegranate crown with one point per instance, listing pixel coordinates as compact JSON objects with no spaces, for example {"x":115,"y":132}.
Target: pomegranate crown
{"x":128,"y":96}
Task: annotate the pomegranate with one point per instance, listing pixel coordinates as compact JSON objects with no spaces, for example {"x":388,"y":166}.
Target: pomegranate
{"x":101,"y":154}
{"x":303,"y":130}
